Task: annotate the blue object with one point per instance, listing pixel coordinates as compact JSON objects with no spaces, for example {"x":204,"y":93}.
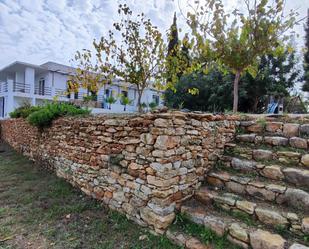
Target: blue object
{"x":272,"y":107}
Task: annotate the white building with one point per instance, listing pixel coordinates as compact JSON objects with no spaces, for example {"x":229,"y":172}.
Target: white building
{"x":22,"y":83}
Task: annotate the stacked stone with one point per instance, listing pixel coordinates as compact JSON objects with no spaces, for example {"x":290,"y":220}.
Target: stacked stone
{"x":141,"y":165}
{"x":263,"y":177}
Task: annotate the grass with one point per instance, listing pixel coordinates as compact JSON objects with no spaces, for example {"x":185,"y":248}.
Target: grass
{"x":39,"y":210}
{"x":205,"y":235}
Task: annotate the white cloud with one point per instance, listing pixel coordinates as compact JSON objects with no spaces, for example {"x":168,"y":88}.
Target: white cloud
{"x":39,"y":30}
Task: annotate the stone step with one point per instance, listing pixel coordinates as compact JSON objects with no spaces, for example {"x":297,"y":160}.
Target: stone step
{"x":264,"y":213}
{"x":271,"y":191}
{"x":184,"y":240}
{"x":275,"y":128}
{"x":293,"y":142}
{"x":267,"y":153}
{"x":296,"y":176}
{"x":237,"y":232}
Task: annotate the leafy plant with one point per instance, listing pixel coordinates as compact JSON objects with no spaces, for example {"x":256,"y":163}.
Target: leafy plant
{"x":110,"y":100}
{"x":153,"y":105}
{"x":124,"y":100}
{"x":23,"y":111}
{"x":89,"y":98}
{"x":44,"y":116}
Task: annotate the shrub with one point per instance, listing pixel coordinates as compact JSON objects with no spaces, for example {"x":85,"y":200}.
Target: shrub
{"x":46,"y":114}
{"x":24,"y":111}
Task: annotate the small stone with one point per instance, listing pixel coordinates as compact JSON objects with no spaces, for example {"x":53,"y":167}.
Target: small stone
{"x":147,"y":138}
{"x":194,"y":243}
{"x":165,"y":142}
{"x":156,"y":220}
{"x":292,"y":217}
{"x":238,"y":232}
{"x":276,"y":188}
{"x":237,"y":242}
{"x":298,"y":142}
{"x":160,"y":122}
{"x":305,"y":160}
{"x":289,"y":154}
{"x":265,"y":240}
{"x":270,"y":217}
{"x":262,"y":154}
{"x":305,"y":225}
{"x":272,"y":172}
{"x":255,"y":128}
{"x":290,"y":130}
{"x":246,"y":206}
{"x":225,"y":200}
{"x":215,"y":224}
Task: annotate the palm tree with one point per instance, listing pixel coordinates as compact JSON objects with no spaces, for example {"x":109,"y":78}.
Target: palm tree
{"x":110,"y":100}
{"x":125,"y":101}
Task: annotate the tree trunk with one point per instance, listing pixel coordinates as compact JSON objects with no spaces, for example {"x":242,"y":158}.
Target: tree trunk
{"x":236,"y":83}
{"x":139,"y":98}
{"x":124,"y":108}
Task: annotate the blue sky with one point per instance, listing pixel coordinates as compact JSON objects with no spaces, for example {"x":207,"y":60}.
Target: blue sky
{"x":36,"y":31}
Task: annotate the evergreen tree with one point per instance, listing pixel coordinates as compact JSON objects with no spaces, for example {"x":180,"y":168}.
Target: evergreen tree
{"x":306,"y":57}
{"x":173,"y":41}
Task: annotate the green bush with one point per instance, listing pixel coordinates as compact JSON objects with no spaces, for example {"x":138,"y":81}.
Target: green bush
{"x":47,"y":113}
{"x":24,"y":111}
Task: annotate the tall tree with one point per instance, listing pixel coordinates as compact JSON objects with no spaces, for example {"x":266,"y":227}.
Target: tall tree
{"x":138,"y":52}
{"x":237,"y":40}
{"x":173,"y":41}
{"x":306,"y":57}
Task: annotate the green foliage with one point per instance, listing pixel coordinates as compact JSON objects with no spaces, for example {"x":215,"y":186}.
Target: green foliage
{"x":23,"y":111}
{"x":153,"y":105}
{"x":306,"y":58}
{"x":137,"y":54}
{"x":44,"y":116}
{"x":124,"y":100}
{"x":237,"y":40}
{"x":90,"y":98}
{"x":110,"y":100}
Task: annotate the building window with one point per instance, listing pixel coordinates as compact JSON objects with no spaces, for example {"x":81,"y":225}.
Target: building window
{"x":107,"y":93}
{"x":75,"y":95}
{"x":124,"y":93}
{"x":156,"y":99}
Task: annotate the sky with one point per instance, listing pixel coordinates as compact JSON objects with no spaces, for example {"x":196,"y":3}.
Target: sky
{"x":37,"y":31}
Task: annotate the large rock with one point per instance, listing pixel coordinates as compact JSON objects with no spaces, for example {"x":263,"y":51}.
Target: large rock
{"x":304,"y":129}
{"x":297,"y":176}
{"x":273,"y":172}
{"x":166,"y":142}
{"x":158,"y":221}
{"x":295,"y":197}
{"x":265,"y":240}
{"x":276,"y":141}
{"x":238,"y":232}
{"x":215,"y":224}
{"x":270,"y":217}
{"x":243,"y":165}
{"x":246,"y":206}
{"x":298,"y":246}
{"x":261,"y":193}
{"x":305,"y":160}
{"x":194,"y":243}
{"x":248,"y":138}
{"x":262,"y":154}
{"x":256,"y":128}
{"x":275,"y":127}
{"x":291,"y":130}
{"x":298,"y":142}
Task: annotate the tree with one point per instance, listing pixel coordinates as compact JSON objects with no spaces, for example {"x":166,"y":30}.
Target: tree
{"x":110,"y":100}
{"x":138,"y":53}
{"x":306,"y":57}
{"x":276,"y":75}
{"x":88,"y":75}
{"x":124,"y":100}
{"x":237,"y":40}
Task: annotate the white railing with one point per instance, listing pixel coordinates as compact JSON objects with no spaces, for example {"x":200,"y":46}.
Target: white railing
{"x":3,"y":87}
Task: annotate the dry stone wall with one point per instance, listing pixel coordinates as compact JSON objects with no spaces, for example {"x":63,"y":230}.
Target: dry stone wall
{"x":141,"y":165}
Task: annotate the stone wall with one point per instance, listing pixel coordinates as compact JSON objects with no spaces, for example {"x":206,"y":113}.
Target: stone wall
{"x":141,"y":165}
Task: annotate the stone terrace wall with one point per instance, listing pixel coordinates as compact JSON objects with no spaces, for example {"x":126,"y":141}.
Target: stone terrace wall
{"x":142,"y":165}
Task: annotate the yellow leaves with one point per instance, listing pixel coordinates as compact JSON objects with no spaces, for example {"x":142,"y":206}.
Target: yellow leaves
{"x":193,"y":91}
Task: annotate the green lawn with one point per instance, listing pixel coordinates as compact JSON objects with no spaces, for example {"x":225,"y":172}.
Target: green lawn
{"x":39,"y":210}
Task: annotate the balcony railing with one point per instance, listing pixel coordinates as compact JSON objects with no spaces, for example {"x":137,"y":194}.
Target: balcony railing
{"x":45,"y":91}
{"x":3,"y":87}
{"x":21,"y":87}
